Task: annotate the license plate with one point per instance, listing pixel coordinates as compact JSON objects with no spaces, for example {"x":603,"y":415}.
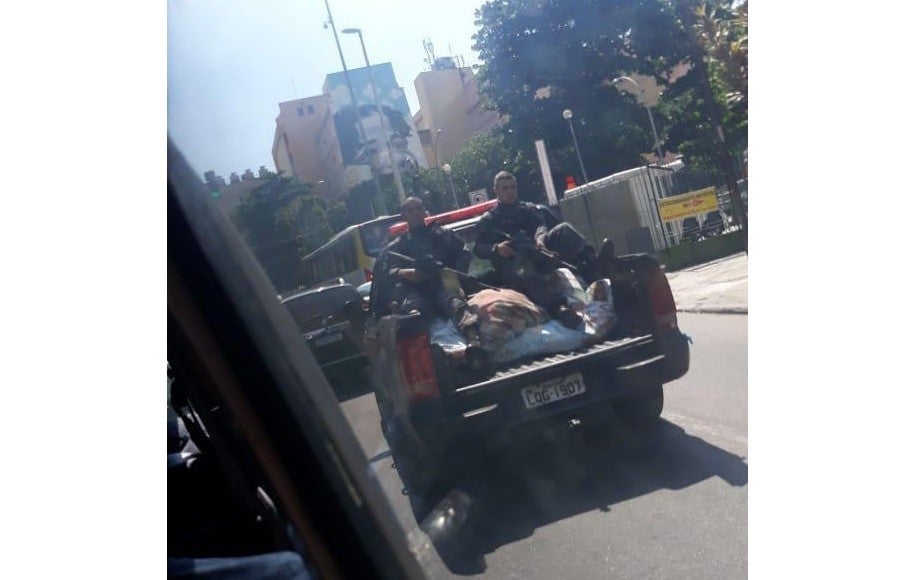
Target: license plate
{"x":553,"y":390}
{"x":323,"y":340}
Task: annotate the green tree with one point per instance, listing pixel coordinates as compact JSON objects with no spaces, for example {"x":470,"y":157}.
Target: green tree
{"x":541,"y":57}
{"x":431,"y":186}
{"x":337,"y":216}
{"x":722,"y":28}
{"x":713,"y":92}
{"x":282,"y":220}
{"x":476,"y":164}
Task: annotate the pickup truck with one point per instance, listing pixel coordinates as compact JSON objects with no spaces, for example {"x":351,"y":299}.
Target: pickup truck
{"x":434,"y":411}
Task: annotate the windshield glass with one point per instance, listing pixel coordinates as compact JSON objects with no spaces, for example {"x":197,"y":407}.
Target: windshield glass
{"x":555,"y":386}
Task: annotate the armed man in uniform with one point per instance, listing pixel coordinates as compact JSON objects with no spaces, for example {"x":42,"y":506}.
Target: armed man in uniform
{"x":525,"y":253}
{"x":421,"y":283}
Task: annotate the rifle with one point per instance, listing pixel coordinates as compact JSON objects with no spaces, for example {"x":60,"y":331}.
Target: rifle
{"x":427,"y":263}
{"x":526,"y":246}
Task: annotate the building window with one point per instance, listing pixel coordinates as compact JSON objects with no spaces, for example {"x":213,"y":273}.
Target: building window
{"x":311,"y":110}
{"x":424,"y":137}
{"x":299,"y":111}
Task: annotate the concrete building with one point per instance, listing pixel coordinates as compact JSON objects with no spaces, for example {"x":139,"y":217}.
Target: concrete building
{"x":317,"y":139}
{"x":450,"y":114}
{"x":228,"y":195}
{"x":301,"y":142}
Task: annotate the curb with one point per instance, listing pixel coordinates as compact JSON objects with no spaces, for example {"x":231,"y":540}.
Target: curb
{"x":715,"y":310}
{"x":695,"y":267}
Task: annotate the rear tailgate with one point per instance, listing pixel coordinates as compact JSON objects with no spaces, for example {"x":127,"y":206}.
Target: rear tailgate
{"x":559,"y":383}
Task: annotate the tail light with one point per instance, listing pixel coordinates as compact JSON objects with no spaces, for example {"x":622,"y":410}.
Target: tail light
{"x":417,"y":364}
{"x":367,"y":275}
{"x":661,"y":301}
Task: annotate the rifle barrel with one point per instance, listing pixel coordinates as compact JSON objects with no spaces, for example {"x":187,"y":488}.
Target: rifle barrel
{"x":464,"y":275}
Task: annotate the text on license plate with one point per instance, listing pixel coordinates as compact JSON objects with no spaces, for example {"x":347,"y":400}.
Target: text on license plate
{"x":553,"y":390}
{"x":328,"y":339}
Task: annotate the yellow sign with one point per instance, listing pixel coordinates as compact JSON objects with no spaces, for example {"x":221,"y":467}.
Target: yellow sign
{"x":688,"y":204}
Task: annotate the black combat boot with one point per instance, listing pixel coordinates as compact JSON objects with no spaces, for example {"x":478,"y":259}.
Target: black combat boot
{"x":475,"y":355}
{"x":586,"y":264}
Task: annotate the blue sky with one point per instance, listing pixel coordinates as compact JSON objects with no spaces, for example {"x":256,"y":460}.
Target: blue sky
{"x":230,"y":62}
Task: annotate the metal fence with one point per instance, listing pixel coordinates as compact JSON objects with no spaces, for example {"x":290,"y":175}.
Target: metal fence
{"x":656,"y":183}
{"x":625,"y":207}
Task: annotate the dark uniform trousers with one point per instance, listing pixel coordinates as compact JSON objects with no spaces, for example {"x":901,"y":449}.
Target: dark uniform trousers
{"x":432,"y":295}
{"x":528,"y":274}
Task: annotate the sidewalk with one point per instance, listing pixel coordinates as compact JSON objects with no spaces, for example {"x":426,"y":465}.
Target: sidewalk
{"x":720,"y":286}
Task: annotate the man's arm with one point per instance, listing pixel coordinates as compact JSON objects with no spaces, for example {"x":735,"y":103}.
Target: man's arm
{"x":394,"y":263}
{"x":455,"y":255}
{"x":399,"y":270}
{"x":487,"y":238}
{"x":537,"y":224}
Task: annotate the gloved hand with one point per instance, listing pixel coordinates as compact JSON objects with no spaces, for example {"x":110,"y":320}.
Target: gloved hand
{"x":427,"y":266}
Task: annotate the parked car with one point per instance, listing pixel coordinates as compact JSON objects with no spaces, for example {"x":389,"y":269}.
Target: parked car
{"x":691,"y":230}
{"x":331,"y":319}
{"x":713,"y":224}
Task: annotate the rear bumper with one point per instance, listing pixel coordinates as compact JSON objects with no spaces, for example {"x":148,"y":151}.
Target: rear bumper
{"x":496,"y":406}
{"x":675,"y":348}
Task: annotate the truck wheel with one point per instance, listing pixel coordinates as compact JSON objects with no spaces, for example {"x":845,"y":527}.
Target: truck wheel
{"x":641,"y":408}
{"x":419,"y":473}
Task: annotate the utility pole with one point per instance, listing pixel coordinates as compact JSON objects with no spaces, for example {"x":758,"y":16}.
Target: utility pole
{"x":568,"y":115}
{"x":350,"y":90}
{"x":396,"y":172}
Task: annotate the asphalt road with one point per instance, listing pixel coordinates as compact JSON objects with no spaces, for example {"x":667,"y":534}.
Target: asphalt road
{"x":671,"y":503}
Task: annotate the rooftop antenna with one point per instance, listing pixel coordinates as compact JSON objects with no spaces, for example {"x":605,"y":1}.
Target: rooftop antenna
{"x":429,"y":51}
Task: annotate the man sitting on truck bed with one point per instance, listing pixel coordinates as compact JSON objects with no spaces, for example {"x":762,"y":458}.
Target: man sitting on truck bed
{"x":514,"y":237}
{"x":420,"y":282}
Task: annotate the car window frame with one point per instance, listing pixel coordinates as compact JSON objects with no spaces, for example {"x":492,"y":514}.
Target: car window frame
{"x":227,"y":325}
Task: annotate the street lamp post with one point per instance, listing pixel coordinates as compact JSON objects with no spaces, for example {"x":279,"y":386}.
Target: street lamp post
{"x":653,"y":127}
{"x":350,"y":90}
{"x":382,"y":122}
{"x":436,"y":144}
{"x":568,"y":115}
{"x":656,"y":142}
{"x":448,"y":170}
